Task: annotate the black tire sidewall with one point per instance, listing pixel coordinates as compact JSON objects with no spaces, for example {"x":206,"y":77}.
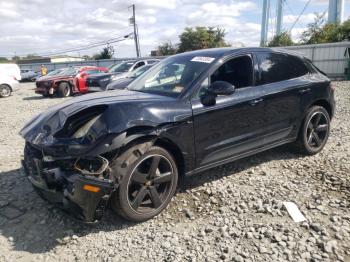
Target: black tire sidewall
{"x":7,"y":87}
{"x":309,"y":150}
{"x":62,"y":87}
{"x":122,"y":192}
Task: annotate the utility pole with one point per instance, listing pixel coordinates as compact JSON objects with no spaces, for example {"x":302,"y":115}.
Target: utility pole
{"x":265,"y":22}
{"x":335,"y":11}
{"x":136,"y":37}
{"x":279,"y":17}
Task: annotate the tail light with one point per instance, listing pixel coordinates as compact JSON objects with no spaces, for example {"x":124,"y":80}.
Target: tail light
{"x":14,"y":78}
{"x":332,"y":86}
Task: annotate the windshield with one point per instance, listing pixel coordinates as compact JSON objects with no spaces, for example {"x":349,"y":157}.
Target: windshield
{"x":139,"y":71}
{"x":54,"y":72}
{"x":122,"y":67}
{"x":172,"y":76}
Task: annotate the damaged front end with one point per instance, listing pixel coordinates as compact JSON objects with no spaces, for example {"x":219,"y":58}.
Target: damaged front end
{"x":59,"y":164}
{"x":80,"y":186}
{"x":70,"y":149}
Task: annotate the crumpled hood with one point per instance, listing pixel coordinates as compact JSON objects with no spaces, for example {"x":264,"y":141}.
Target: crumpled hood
{"x":43,"y":126}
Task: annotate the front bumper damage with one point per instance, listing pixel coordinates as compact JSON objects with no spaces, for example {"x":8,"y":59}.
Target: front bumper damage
{"x":83,"y":195}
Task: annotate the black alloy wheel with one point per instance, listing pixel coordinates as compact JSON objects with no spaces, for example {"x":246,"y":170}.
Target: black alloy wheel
{"x":315,"y":131}
{"x":148,"y":184}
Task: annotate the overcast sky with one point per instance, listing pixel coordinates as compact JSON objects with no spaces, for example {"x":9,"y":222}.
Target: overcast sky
{"x":39,"y":26}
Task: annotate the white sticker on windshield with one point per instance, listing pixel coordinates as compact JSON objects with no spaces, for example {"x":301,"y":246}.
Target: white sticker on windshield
{"x":203,"y":59}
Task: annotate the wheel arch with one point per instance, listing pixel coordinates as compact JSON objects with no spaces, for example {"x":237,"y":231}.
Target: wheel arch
{"x":160,"y":141}
{"x":58,"y":82}
{"x":325,"y":104}
{"x":5,"y":84}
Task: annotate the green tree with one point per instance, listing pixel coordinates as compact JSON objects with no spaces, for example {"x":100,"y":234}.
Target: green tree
{"x":106,"y":53}
{"x":166,"y":48}
{"x":201,"y":37}
{"x":16,"y":58}
{"x":283,"y":39}
{"x":313,"y":32}
{"x":319,"y":31}
{"x":345,"y":30}
{"x":3,"y":60}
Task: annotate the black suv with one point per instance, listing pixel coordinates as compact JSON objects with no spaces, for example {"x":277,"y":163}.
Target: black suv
{"x":190,"y":112}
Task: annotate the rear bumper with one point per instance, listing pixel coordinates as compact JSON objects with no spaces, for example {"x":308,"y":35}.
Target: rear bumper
{"x":68,"y":189}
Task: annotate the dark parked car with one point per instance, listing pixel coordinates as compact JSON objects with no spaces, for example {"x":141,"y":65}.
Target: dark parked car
{"x":39,"y":77}
{"x":103,"y":81}
{"x":28,"y":75}
{"x":122,"y":83}
{"x":120,"y":70}
{"x":191,"y":112}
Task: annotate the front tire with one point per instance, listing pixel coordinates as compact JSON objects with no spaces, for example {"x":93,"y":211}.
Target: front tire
{"x":314,"y":131}
{"x":5,"y":91}
{"x":149,"y":180}
{"x":64,"y":89}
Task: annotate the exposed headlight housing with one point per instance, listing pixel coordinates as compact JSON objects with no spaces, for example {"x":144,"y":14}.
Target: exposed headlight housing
{"x":79,"y":124}
{"x":82,"y":131}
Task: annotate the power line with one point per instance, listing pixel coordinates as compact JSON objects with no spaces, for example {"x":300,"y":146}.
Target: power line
{"x":301,"y":13}
{"x":78,"y":48}
{"x":109,"y":41}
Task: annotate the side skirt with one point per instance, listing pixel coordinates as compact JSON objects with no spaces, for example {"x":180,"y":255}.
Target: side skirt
{"x":243,"y":155}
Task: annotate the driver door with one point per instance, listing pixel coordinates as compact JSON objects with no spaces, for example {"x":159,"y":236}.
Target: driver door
{"x":234,"y":125}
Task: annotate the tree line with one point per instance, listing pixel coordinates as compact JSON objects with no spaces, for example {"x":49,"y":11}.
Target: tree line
{"x":317,"y":32}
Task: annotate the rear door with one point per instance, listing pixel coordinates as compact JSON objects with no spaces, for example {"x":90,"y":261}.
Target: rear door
{"x":284,"y":79}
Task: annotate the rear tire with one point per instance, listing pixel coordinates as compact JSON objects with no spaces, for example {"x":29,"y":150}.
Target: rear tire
{"x":64,"y":89}
{"x":5,"y":91}
{"x":314,"y":131}
{"x":148,"y":182}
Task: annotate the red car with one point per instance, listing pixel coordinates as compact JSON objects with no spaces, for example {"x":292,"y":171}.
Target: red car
{"x":69,"y":81}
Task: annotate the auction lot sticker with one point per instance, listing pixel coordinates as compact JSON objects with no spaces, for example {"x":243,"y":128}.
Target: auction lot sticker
{"x":203,"y":59}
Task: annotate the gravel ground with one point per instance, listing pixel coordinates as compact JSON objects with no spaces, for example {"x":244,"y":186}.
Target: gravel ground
{"x":231,"y":213}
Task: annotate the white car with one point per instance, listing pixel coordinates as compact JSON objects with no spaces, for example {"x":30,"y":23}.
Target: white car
{"x":8,"y":84}
{"x":11,"y":70}
{"x":120,"y":70}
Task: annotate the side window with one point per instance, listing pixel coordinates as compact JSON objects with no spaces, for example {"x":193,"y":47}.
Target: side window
{"x":275,"y":67}
{"x":237,"y":71}
{"x":139,"y":64}
{"x":299,"y":68}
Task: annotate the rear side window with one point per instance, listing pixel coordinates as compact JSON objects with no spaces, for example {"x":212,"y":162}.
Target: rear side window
{"x":276,"y":67}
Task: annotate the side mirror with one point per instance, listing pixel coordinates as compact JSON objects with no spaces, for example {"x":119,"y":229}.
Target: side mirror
{"x":221,"y":88}
{"x":218,"y":88}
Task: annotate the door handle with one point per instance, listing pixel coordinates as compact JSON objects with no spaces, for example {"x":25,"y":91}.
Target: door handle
{"x":255,"y":101}
{"x":304,"y":91}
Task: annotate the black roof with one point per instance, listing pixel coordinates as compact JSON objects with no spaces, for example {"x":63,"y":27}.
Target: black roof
{"x":219,"y":52}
